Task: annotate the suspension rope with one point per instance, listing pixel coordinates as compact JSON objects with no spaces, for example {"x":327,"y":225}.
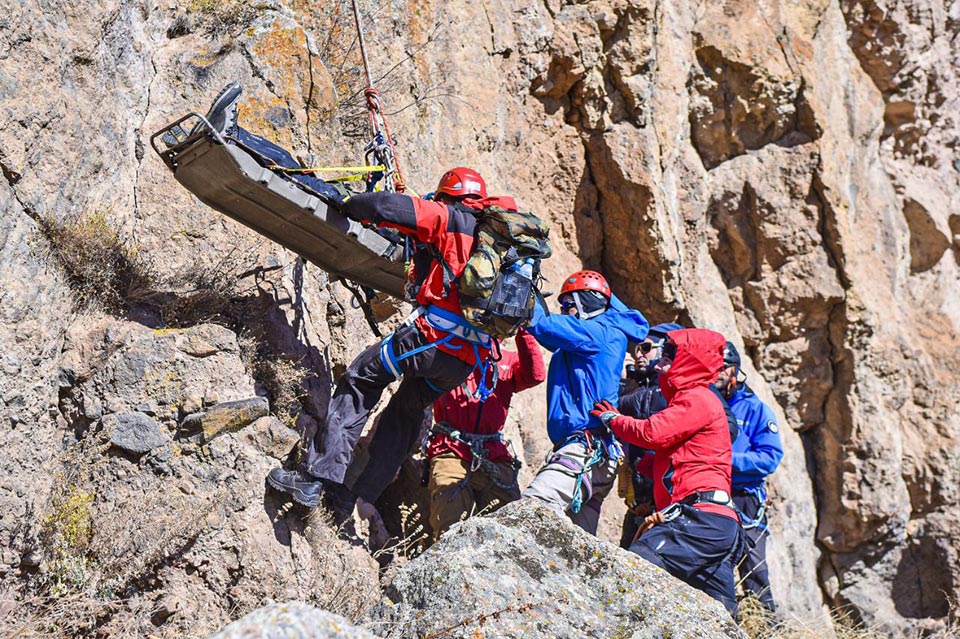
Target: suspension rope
{"x":381,"y":147}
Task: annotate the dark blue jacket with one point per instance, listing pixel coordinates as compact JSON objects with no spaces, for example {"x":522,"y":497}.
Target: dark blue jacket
{"x":757,"y":451}
{"x":586,"y":364}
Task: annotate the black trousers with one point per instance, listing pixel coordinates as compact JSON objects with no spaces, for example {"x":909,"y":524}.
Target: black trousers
{"x":699,"y":548}
{"x":426,"y":376}
{"x":753,"y":568}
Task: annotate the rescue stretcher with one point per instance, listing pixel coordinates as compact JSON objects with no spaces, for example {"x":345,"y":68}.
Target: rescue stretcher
{"x":230,"y":180}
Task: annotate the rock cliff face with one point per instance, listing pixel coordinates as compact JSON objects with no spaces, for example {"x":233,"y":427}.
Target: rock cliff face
{"x":784,"y":172}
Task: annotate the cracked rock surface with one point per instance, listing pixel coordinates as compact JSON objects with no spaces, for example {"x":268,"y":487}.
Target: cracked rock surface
{"x":785,"y":172}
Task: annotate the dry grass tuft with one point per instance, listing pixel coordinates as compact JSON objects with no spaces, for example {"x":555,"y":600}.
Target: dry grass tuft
{"x":99,"y":265}
{"x":759,"y":623}
{"x":283,"y":378}
{"x":220,"y":18}
{"x":66,"y":532}
{"x":211,"y":294}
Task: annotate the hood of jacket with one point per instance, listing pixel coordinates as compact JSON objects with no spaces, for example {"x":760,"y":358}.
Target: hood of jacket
{"x":698,"y":361}
{"x":626,"y":320}
{"x":579,"y":377}
{"x":478,"y":204}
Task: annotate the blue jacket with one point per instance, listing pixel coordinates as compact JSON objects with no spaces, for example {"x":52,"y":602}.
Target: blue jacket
{"x":586,"y":364}
{"x":757,"y":451}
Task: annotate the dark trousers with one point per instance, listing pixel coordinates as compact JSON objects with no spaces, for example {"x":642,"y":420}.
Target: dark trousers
{"x":281,"y":157}
{"x":426,"y":376}
{"x":699,"y":548}
{"x":753,"y":567}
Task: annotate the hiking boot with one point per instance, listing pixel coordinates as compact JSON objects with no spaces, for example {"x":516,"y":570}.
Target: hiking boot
{"x":222,"y":115}
{"x":305,"y":489}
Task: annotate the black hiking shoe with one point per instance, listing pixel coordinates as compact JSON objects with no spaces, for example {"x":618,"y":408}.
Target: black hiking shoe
{"x":305,"y":489}
{"x":222,"y":115}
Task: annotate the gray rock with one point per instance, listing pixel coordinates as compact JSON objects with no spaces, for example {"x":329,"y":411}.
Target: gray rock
{"x":134,"y":432}
{"x":292,"y":620}
{"x":191,"y":425}
{"x":67,"y":377}
{"x":270,"y":436}
{"x":528,"y":572}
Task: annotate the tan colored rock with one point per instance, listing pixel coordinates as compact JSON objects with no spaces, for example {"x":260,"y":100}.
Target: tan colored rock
{"x":784,"y":172}
{"x":270,"y":436}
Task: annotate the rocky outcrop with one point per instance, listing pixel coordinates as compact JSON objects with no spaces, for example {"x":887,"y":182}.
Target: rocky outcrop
{"x":184,"y":529}
{"x":527,"y":572}
{"x":293,"y":620}
{"x":784,"y":172}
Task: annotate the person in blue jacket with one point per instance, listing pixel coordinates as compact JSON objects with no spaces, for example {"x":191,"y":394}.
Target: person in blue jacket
{"x":757,"y":452}
{"x":589,"y":341}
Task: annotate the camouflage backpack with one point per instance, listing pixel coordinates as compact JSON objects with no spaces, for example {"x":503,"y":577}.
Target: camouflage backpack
{"x":498,"y":285}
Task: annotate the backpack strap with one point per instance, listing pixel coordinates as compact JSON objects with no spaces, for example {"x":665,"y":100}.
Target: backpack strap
{"x":448,"y":275}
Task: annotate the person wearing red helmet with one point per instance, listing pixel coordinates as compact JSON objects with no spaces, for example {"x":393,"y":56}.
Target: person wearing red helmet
{"x":589,"y":341}
{"x":461,"y":182}
{"x":432,"y":352}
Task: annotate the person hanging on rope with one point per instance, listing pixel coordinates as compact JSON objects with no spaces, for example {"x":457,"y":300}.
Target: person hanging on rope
{"x":695,"y":533}
{"x":757,"y":452}
{"x":432,"y":352}
{"x":589,"y":341}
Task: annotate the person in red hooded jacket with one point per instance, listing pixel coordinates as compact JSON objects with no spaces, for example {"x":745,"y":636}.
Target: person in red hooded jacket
{"x":695,"y":533}
{"x":471,"y":467}
{"x":432,"y":352}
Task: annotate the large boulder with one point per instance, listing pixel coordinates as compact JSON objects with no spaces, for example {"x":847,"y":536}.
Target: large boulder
{"x":526,"y":571}
{"x":292,"y":620}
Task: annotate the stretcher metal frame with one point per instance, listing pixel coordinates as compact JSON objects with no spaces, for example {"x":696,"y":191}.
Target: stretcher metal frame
{"x":230,"y":180}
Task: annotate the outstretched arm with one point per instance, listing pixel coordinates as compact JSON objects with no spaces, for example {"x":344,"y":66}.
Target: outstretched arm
{"x":674,"y":424}
{"x":528,"y":370}
{"x":425,"y":220}
{"x":565,"y":332}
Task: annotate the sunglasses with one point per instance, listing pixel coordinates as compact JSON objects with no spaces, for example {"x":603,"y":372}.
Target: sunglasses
{"x":669,"y":351}
{"x":567,"y":302}
{"x":646,"y":347}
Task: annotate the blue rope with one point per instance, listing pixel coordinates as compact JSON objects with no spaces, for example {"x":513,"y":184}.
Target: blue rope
{"x":748,"y":523}
{"x":576,"y":504}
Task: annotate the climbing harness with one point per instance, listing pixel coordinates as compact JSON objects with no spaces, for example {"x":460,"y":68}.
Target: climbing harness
{"x":476,"y":442}
{"x":598,"y":452}
{"x":454,"y":326}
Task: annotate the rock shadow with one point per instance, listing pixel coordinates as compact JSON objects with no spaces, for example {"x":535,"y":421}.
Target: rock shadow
{"x":923,"y":583}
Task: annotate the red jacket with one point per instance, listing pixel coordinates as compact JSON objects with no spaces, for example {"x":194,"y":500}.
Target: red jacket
{"x":518,"y":371}
{"x":448,"y":229}
{"x":690,"y":436}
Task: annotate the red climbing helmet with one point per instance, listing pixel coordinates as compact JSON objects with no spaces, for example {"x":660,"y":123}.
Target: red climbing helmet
{"x":586,"y":281}
{"x":462,"y":182}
